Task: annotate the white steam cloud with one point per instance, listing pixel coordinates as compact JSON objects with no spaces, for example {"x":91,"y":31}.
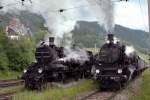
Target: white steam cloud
{"x":78,"y":55}
{"x":57,"y":22}
{"x":129,"y":51}
{"x":104,"y":11}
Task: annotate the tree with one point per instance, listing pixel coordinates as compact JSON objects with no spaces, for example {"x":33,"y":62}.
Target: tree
{"x":20,"y":53}
{"x":17,"y":54}
{"x":3,"y":57}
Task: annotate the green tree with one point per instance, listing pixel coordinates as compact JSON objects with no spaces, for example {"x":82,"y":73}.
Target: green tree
{"x":3,"y":57}
{"x":17,"y":54}
{"x":20,"y":53}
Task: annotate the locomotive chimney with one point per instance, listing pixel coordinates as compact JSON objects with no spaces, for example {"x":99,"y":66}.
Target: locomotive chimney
{"x":110,"y":38}
{"x":51,"y":40}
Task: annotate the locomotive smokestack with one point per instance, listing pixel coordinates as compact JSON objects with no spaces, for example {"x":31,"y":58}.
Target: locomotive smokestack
{"x":110,"y":38}
{"x":51,"y":40}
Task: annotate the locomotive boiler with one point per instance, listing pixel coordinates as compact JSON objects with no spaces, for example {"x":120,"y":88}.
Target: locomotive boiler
{"x":113,"y":67}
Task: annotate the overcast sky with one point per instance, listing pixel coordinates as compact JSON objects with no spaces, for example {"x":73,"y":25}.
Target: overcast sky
{"x":129,"y":14}
{"x":132,"y":14}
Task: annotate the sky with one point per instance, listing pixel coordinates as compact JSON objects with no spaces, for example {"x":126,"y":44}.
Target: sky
{"x":132,"y":14}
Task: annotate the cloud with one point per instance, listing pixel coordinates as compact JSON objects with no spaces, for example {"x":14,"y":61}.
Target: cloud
{"x":131,"y":15}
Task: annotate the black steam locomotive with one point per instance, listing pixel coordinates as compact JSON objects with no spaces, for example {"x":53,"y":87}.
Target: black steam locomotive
{"x":114,"y":67}
{"x":50,"y":67}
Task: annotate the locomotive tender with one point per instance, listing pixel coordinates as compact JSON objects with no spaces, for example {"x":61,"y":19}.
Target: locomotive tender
{"x":115,"y":68}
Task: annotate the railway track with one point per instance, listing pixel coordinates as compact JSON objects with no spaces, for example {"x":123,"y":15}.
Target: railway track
{"x":7,"y":96}
{"x":105,"y":95}
{"x":11,"y":82}
{"x":99,"y":95}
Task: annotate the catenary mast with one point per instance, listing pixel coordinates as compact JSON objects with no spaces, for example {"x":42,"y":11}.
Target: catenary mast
{"x":148,"y":1}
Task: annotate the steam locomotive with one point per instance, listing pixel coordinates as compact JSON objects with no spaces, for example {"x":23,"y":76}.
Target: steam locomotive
{"x":115,"y":66}
{"x":50,"y":66}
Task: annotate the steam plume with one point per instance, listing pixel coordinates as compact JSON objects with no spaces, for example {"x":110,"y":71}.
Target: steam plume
{"x":78,"y":55}
{"x":129,"y":50}
{"x":104,"y":11}
{"x":57,"y":22}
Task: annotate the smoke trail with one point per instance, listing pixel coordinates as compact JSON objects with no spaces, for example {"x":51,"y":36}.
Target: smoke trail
{"x":57,"y":22}
{"x":104,"y":11}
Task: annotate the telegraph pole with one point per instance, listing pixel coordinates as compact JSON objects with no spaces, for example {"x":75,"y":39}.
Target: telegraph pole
{"x":148,"y":2}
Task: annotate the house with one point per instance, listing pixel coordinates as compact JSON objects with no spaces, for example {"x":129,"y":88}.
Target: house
{"x":15,"y":29}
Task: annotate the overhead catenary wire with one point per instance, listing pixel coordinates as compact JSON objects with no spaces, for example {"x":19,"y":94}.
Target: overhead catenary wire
{"x":8,"y":5}
{"x":60,"y":10}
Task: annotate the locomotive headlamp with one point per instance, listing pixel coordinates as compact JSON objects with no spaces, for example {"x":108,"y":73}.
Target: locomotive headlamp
{"x":97,"y":71}
{"x":119,"y":71}
{"x":24,"y":70}
{"x":40,"y":70}
{"x":107,"y":41}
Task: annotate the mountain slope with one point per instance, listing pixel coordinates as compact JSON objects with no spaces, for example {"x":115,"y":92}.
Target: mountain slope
{"x":85,"y":33}
{"x":90,"y":33}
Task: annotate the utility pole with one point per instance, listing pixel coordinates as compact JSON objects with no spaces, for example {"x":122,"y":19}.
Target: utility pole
{"x":148,"y":2}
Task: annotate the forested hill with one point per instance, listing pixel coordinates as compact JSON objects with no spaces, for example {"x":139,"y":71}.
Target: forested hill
{"x":90,"y":33}
{"x":85,"y":33}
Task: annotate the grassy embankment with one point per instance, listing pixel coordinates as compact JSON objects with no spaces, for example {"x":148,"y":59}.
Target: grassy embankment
{"x":58,"y":93}
{"x":143,"y":93}
{"x":9,"y":75}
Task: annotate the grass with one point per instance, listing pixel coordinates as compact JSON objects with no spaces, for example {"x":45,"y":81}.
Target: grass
{"x":144,"y":91}
{"x":9,"y":75}
{"x":58,"y":93}
{"x":11,"y":89}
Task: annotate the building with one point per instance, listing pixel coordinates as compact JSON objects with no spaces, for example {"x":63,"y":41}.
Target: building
{"x":15,"y":29}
